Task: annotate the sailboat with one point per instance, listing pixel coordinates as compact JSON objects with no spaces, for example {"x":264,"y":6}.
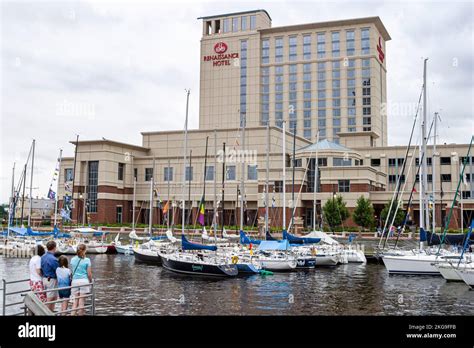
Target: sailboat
{"x":422,"y":261}
{"x":148,"y":252}
{"x":185,"y":260}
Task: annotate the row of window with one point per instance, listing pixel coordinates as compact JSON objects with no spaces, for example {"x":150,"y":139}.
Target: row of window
{"x":320,"y":46}
{"x":230,"y":173}
{"x":232,"y":24}
{"x":443,"y":177}
{"x":398,"y":162}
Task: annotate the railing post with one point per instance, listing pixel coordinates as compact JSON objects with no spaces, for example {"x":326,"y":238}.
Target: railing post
{"x":93,"y":298}
{"x":4,"y":295}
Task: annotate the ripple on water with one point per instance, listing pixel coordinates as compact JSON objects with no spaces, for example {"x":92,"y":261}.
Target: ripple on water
{"x":125,"y":287}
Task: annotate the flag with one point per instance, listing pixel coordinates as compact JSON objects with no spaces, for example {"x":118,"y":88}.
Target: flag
{"x":414,"y":190}
{"x":464,"y":181}
{"x":201,"y":212}
{"x":166,"y":207}
{"x":67,"y":187}
{"x":273,"y":202}
{"x":51,"y":194}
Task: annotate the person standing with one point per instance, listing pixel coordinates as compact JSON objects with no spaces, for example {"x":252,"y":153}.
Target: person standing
{"x":49,"y":264}
{"x":36,"y":278}
{"x":81,"y":277}
{"x":63,"y":273}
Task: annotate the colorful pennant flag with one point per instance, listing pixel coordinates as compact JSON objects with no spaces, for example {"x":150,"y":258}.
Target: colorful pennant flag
{"x":201,"y":212}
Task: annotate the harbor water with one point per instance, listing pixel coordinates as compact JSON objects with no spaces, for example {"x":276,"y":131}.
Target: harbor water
{"x":127,"y":287}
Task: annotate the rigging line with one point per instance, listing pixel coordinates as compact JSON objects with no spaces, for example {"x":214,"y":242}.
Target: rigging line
{"x":301,"y":189}
{"x":400,"y":201}
{"x":397,"y":186}
{"x":410,"y":199}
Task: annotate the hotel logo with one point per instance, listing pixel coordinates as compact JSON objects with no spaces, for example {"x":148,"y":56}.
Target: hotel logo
{"x":220,"y":47}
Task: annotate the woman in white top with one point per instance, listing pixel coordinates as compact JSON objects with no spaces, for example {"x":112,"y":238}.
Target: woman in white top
{"x":36,"y":280}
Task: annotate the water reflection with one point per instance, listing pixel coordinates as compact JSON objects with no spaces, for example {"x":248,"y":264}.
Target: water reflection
{"x":126,"y":287}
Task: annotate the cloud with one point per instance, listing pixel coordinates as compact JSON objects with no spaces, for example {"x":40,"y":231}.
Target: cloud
{"x":107,"y":69}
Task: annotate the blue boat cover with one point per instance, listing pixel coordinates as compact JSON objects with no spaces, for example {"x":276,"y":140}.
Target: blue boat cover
{"x":451,"y":239}
{"x":299,"y":240}
{"x":268,"y":236}
{"x":246,"y":240}
{"x":29,"y":232}
{"x":422,"y":235}
{"x":187,"y":245}
{"x":274,"y":245}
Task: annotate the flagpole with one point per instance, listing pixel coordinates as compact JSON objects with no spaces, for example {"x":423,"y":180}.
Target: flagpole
{"x":31,"y":183}
{"x":57,"y":189}
{"x":168,"y":211}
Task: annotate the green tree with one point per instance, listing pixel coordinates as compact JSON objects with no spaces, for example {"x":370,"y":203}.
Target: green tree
{"x":335,"y":212}
{"x":398,"y":218}
{"x":363,"y":214}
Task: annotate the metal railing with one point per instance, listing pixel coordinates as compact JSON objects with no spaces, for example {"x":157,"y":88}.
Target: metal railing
{"x":88,"y":307}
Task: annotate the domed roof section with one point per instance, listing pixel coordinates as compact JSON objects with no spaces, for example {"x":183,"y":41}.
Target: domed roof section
{"x":325,"y":145}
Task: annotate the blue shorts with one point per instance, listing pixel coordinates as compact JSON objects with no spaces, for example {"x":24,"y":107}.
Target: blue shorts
{"x":66,"y":293}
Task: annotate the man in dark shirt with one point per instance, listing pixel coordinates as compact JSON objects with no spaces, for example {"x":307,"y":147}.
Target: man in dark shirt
{"x":49,"y":264}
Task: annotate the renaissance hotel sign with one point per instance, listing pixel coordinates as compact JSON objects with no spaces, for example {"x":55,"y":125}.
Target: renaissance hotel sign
{"x":221,"y":57}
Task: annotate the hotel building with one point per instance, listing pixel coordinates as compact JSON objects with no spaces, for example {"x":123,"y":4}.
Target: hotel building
{"x":327,"y":77}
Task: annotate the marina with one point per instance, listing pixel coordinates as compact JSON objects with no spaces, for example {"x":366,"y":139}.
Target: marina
{"x":127,"y":287}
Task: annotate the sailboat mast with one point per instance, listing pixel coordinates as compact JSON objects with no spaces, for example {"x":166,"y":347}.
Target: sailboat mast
{"x":204,"y":189}
{"x":152,"y":184}
{"x":315,"y":178}
{"x":189,"y":188}
{"x":168,"y":184}
{"x":283,"y":155}
{"x":242,"y":189}
{"x":31,"y":183}
{"x":293,"y":204}
{"x":23,"y":194}
{"x":74,"y":179}
{"x":223,"y":187}
{"x":266,"y":180}
{"x":11,"y":210}
{"x":425,"y":141}
{"x":433,"y":165}
{"x":215,"y":185}
{"x":183,"y":218}
{"x":57,"y":188}
{"x":134,"y":196}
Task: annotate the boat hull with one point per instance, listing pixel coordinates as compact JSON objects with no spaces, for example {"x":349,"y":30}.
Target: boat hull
{"x":124,"y":249}
{"x":306,"y":262}
{"x":247,"y":268}
{"x":147,"y":256}
{"x":467,"y":276}
{"x":326,"y":260}
{"x":278,"y":265}
{"x":198,"y":269}
{"x":449,"y":273}
{"x":415,"y":265}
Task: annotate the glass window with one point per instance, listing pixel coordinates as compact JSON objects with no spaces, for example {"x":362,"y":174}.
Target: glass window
{"x":322,"y":66}
{"x":445,"y":160}
{"x":230,"y":173}
{"x":340,"y":162}
{"x":189,"y":174}
{"x":68,"y":174}
{"x":252,"y":172}
{"x":321,"y":113}
{"x":121,"y":168}
{"x":243,"y":23}
{"x":226,"y":25}
{"x":209,"y":173}
{"x":351,"y":121}
{"x":168,"y":174}
{"x":148,"y":174}
{"x":118,"y":214}
{"x":235,"y":24}
{"x":253,"y":22}
{"x":344,"y":185}
{"x":92,"y":186}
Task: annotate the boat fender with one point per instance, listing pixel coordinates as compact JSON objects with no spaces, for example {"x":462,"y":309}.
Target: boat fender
{"x":235,"y":259}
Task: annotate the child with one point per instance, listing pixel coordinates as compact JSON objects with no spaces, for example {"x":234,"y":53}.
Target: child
{"x":63,"y":274}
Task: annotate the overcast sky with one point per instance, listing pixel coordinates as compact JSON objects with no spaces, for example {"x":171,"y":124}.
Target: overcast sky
{"x":99,"y":69}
